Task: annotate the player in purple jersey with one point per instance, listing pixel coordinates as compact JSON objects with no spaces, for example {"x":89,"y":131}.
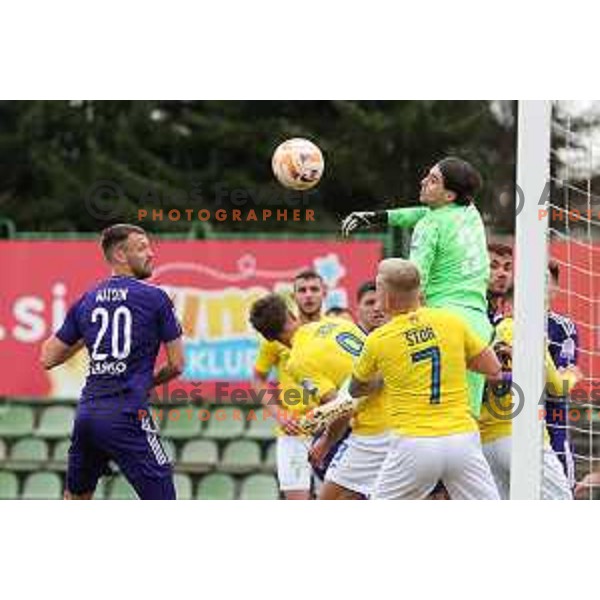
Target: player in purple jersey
{"x":122,"y":322}
{"x":501,"y":284}
{"x":563,"y":344}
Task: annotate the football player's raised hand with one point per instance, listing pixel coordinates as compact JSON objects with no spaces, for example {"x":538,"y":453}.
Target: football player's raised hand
{"x":358,"y":220}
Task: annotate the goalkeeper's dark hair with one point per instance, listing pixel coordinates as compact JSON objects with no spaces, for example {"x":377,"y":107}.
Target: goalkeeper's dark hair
{"x":116,"y":234}
{"x":460,"y":177}
{"x":268,"y":315}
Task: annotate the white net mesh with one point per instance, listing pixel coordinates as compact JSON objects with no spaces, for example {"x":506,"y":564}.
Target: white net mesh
{"x":574,"y":316}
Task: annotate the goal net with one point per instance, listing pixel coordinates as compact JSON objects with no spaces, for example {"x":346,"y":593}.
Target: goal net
{"x":558,"y":171}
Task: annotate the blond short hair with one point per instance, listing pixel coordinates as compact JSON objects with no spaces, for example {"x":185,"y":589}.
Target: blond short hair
{"x":399,"y":276}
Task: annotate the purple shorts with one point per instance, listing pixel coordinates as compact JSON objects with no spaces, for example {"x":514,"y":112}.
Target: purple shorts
{"x":131,"y":442}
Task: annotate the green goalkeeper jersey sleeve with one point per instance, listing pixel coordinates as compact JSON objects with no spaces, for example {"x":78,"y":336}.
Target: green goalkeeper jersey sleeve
{"x":406,"y":217}
{"x":449,"y":247}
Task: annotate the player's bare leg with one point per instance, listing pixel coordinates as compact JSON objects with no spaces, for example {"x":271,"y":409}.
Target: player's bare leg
{"x":333,"y":491}
{"x":297,"y":495}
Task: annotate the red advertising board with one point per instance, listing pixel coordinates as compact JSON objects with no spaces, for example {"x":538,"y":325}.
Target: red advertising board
{"x":579,"y":298}
{"x":212,"y":284}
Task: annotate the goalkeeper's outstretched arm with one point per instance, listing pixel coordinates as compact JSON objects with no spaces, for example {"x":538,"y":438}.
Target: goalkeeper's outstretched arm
{"x":397,"y":217}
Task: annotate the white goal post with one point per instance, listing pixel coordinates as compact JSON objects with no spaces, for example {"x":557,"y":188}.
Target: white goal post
{"x":531,"y":264}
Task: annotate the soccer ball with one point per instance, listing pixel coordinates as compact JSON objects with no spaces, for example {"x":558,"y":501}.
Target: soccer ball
{"x":298,"y":164}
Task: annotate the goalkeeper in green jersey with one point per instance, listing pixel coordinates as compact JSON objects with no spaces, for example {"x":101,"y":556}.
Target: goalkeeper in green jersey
{"x":448,"y":245}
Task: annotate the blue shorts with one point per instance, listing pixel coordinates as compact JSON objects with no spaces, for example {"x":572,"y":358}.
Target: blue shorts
{"x":131,"y":441}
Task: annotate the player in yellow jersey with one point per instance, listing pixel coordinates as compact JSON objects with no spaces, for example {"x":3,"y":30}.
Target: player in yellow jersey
{"x":341,"y":313}
{"x":321,"y":360}
{"x":356,"y":463}
{"x":495,"y":423}
{"x":423,"y":355}
{"x":293,"y":468}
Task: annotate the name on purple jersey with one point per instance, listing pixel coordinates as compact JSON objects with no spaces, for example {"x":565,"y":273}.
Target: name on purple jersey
{"x":122,"y":322}
{"x":112,"y":295}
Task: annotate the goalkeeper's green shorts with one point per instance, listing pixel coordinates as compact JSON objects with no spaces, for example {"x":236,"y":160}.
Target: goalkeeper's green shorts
{"x":480,"y":324}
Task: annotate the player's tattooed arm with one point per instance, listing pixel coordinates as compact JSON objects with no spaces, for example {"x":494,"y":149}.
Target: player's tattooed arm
{"x":55,"y":352}
{"x":321,"y":447}
{"x":336,"y":429}
{"x":175,"y":363}
{"x":375,"y":384}
{"x":362,"y":388}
